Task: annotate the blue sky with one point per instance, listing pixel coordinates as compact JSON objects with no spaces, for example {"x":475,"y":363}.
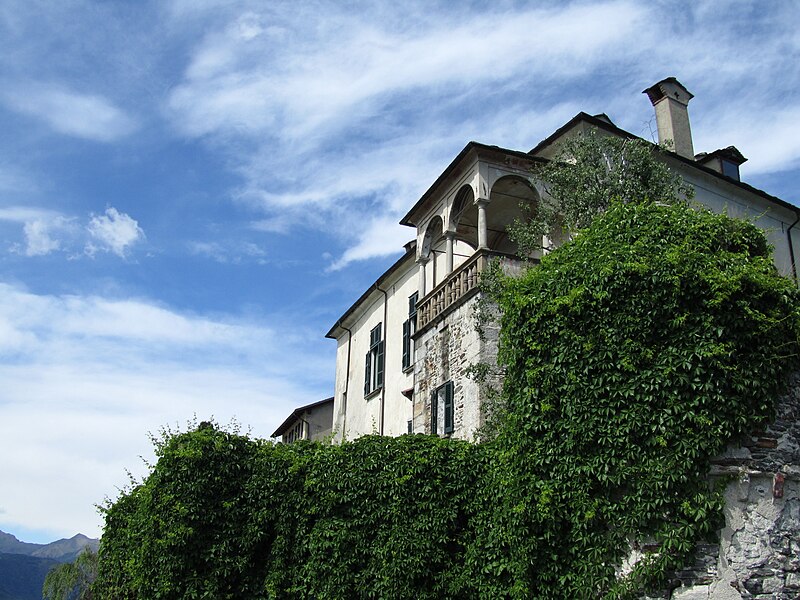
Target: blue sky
{"x":192,"y":191}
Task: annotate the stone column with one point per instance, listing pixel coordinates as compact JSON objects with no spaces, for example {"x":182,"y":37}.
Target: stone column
{"x":422,"y":261}
{"x":482,"y":231}
{"x":448,"y":262}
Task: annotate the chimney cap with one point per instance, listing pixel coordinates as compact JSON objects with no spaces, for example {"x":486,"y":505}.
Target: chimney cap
{"x":669,"y":87}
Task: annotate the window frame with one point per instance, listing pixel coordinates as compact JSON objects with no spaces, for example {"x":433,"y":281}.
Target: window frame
{"x":409,"y":329}
{"x":374,"y":371}
{"x":445,"y":394}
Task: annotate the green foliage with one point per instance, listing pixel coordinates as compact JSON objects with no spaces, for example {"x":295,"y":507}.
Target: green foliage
{"x":223,"y":516}
{"x":589,"y":171}
{"x":631,"y":355}
{"x":72,"y":581}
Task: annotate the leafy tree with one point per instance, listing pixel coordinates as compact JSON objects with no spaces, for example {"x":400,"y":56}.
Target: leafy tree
{"x":588,"y":172}
{"x":72,"y":581}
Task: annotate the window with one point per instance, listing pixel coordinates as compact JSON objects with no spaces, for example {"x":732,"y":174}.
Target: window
{"x":442,"y":399}
{"x":409,"y":329}
{"x":373,"y":370}
{"x":730,"y":169}
{"x":296,"y":433}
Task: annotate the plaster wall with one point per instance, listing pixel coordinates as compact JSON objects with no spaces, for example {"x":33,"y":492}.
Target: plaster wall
{"x":724,"y":197}
{"x":354,"y":413}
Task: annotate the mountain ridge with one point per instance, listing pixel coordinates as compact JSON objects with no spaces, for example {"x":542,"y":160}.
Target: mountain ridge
{"x":23,"y":565}
{"x":63,"y":550}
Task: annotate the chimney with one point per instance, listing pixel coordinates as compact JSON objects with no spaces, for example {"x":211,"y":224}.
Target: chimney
{"x":670,"y":100}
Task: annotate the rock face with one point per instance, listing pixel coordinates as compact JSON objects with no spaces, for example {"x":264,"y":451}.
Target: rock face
{"x":758,"y":555}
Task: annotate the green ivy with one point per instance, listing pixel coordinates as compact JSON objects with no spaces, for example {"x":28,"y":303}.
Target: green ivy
{"x":632,"y":355}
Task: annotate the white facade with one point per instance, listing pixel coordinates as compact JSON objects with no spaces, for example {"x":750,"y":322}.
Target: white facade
{"x":460,"y":223}
{"x":384,"y":408}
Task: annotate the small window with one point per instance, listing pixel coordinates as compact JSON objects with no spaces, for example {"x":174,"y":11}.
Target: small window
{"x":373,"y":369}
{"x":443,"y":409}
{"x":409,"y":329}
{"x":730,"y":169}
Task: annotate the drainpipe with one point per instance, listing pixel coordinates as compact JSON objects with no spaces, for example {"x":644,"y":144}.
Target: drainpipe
{"x":791,"y":246}
{"x":386,"y":347}
{"x":346,"y":380}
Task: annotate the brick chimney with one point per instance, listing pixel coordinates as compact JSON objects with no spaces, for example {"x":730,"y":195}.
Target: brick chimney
{"x":670,"y":100}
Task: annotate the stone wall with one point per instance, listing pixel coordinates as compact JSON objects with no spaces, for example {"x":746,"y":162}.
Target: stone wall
{"x":758,"y":553}
{"x":444,"y":352}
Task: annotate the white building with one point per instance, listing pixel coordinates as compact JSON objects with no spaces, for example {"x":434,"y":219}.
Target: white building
{"x":404,"y":345}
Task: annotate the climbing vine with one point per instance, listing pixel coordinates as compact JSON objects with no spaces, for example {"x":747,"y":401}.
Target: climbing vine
{"x":632,"y":355}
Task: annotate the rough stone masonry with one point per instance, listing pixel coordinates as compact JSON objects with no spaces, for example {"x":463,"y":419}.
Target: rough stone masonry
{"x":758,"y":553}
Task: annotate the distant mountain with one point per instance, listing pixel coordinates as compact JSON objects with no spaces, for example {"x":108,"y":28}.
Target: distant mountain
{"x":61,"y":550}
{"x":11,"y":545}
{"x":22,"y":577}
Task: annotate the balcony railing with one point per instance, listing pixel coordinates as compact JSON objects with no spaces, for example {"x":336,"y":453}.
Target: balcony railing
{"x":459,"y":285}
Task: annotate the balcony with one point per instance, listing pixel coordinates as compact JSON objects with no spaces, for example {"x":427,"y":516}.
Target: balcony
{"x":460,"y":285}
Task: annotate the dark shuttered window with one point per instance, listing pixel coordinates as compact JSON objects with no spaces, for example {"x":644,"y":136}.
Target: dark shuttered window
{"x":443,"y":405}
{"x":409,"y":329}
{"x":374,"y":362}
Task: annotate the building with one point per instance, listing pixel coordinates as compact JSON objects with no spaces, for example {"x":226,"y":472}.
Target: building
{"x":404,"y":347}
{"x":309,"y":422}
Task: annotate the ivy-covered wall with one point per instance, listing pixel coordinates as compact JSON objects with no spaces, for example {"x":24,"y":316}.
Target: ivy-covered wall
{"x":757,"y":553}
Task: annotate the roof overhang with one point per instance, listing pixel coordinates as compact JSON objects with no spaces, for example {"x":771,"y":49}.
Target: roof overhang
{"x":465,"y":158}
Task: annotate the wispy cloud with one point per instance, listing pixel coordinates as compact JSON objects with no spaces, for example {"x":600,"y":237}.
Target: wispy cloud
{"x":68,"y":112}
{"x":309,"y":116}
{"x":231,"y":253}
{"x":380,"y":237}
{"x":86,"y":377}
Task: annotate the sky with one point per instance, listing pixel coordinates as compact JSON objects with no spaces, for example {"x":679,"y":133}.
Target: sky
{"x":193,"y":191}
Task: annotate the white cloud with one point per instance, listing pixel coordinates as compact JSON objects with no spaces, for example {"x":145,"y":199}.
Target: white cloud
{"x":253,"y":79}
{"x":85,"y":378}
{"x":68,"y":112}
{"x":44,"y":230}
{"x":22,"y":214}
{"x":381,"y":237}
{"x":232,"y":253}
{"x":47,"y":231}
{"x":114,"y":232}
{"x":39,"y":242}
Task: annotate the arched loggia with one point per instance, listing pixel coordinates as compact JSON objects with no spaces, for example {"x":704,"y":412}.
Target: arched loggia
{"x":508,"y":196}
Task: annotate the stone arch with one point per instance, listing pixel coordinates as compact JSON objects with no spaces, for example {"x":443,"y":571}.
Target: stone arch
{"x":507,"y":198}
{"x":432,"y":237}
{"x":464,"y":217}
